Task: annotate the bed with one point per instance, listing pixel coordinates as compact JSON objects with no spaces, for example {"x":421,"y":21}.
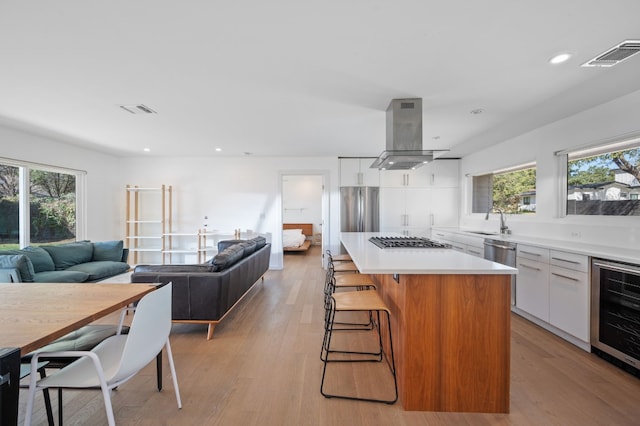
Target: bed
{"x":295,"y":236}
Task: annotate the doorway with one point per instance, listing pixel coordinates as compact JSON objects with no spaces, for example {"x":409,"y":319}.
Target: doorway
{"x":305,"y":202}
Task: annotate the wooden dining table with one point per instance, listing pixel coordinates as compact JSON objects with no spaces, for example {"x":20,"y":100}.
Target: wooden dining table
{"x":35,"y":314}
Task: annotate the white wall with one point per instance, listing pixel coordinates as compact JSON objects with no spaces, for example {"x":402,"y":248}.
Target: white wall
{"x":233,"y":193}
{"x":103,"y":191}
{"x":302,"y":200}
{"x":602,"y":123}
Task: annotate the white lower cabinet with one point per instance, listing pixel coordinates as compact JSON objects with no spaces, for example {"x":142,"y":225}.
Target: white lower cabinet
{"x":569,"y":290}
{"x":553,"y":286}
{"x":532,"y":288}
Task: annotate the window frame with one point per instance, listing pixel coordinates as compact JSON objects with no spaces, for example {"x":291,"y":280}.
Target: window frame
{"x":521,"y":166}
{"x":24,"y":168}
{"x":620,"y":143}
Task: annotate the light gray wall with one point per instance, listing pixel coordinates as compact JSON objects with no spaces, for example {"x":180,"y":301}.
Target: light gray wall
{"x":302,"y":200}
{"x":605,"y":122}
{"x":103,"y":191}
{"x":233,"y":193}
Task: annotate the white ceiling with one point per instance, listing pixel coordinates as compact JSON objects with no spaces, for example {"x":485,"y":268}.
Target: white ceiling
{"x":302,"y":78}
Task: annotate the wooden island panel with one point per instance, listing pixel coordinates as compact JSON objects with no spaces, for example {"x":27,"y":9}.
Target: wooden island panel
{"x":451,"y":340}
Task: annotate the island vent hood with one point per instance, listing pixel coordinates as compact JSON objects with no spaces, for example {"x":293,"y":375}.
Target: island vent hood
{"x":404,"y":138}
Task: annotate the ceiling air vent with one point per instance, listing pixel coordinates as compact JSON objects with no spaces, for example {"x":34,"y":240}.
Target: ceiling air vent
{"x":615,"y":55}
{"x":138,"y":109}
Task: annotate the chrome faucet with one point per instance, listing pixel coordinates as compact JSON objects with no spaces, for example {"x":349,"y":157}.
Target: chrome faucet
{"x":504,"y":229}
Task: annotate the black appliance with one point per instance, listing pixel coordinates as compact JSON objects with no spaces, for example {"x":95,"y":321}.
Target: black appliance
{"x":407,"y":242}
{"x":615,"y":312}
{"x":9,"y":385}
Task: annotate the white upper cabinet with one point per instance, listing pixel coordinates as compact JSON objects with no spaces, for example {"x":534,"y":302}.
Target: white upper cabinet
{"x":356,"y":172}
{"x":438,"y":173}
{"x":418,"y":178}
{"x":444,"y":173}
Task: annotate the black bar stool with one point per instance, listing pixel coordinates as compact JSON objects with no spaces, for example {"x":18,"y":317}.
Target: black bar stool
{"x":357,"y":301}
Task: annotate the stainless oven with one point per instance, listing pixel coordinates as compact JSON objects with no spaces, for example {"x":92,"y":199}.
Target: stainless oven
{"x":615,"y":311}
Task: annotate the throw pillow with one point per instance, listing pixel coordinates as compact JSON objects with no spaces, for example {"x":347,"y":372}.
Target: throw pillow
{"x":40,"y":259}
{"x":227,"y":257}
{"x":108,"y":250}
{"x":66,"y":255}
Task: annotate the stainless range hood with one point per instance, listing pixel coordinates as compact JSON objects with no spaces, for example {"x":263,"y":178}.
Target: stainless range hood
{"x":404,"y":137}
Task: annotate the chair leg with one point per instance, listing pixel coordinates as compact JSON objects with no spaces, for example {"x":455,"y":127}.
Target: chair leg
{"x":392,"y":365}
{"x":47,"y":399}
{"x":173,"y":374}
{"x":60,"y":406}
{"x":159,"y":370}
{"x":106,"y":394}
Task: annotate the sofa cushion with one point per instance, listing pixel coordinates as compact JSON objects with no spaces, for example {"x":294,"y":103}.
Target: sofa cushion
{"x":19,"y":262}
{"x":67,"y":255}
{"x":40,"y":259}
{"x":249,"y":247}
{"x":108,"y":250}
{"x":224,"y":244}
{"x":99,"y":269}
{"x":227,"y":257}
{"x":260,"y":242}
{"x":60,"y":277}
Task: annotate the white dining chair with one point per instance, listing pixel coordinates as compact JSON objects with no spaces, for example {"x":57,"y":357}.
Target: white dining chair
{"x":116,"y":359}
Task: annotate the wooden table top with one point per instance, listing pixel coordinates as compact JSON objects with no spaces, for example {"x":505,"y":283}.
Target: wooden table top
{"x":34,"y":314}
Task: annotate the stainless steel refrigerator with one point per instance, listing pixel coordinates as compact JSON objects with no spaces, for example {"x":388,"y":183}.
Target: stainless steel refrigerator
{"x":359,"y":209}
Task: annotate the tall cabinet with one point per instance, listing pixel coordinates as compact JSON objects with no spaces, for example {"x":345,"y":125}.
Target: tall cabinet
{"x":148,"y":217}
{"x":413,"y":201}
{"x":356,"y":172}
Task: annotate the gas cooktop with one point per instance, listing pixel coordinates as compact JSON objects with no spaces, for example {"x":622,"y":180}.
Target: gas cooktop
{"x":406,"y":242}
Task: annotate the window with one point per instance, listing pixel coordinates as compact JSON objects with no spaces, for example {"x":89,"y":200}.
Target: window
{"x":9,"y":207}
{"x":513,"y":191}
{"x":53,"y":206}
{"x":52,"y":197}
{"x":604,"y":180}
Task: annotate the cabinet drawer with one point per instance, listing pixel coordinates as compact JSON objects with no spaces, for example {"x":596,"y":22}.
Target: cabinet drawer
{"x":474,"y":251}
{"x":538,"y":254}
{"x":442,"y":235}
{"x":471,"y":241}
{"x":577,"y":262}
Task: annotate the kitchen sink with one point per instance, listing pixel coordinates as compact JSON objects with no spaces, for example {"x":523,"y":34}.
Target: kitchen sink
{"x":482,"y":232}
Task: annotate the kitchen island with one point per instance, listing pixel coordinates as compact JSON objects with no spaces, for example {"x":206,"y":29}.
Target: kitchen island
{"x":450,"y":315}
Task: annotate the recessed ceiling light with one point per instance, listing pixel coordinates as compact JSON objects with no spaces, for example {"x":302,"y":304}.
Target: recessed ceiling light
{"x":147,"y":149}
{"x":560,"y":58}
{"x":218,"y":149}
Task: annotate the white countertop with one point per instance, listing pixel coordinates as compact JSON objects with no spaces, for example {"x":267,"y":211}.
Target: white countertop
{"x":370,"y":259}
{"x":595,"y":250}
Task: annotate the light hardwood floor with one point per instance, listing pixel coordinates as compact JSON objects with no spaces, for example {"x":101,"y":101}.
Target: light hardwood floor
{"x":263,"y":368}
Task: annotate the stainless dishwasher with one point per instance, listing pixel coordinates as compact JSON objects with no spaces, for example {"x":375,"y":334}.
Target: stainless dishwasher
{"x":502,"y":252}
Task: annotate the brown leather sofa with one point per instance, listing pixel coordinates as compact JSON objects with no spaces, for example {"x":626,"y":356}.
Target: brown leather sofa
{"x":205,"y":293}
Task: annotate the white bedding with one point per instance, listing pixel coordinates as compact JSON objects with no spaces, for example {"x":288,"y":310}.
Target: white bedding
{"x":292,"y":238}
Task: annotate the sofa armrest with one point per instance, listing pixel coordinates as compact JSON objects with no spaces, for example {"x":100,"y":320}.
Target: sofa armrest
{"x":9,"y":275}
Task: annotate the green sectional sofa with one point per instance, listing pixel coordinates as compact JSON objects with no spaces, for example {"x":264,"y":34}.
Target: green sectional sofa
{"x":80,"y":261}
